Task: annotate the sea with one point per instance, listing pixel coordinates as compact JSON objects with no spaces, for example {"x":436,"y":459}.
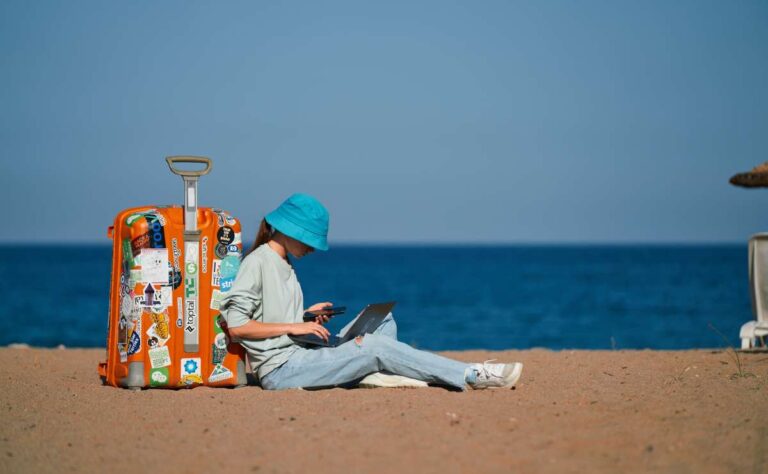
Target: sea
{"x":448,"y":297}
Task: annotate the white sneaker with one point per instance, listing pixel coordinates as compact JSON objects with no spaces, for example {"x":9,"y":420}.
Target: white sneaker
{"x":380,"y":379}
{"x":496,"y":375}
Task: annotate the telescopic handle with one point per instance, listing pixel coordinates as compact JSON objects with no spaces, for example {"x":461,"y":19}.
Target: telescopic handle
{"x":171,"y":160}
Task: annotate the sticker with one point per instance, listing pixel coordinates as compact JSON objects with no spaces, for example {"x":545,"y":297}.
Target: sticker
{"x":124,"y":289}
{"x":230,"y":220}
{"x":134,"y":278}
{"x":158,"y":377}
{"x":134,"y":346}
{"x":220,"y":250}
{"x":219,"y":346}
{"x":149,"y":300}
{"x":155,"y":297}
{"x":218,"y":354}
{"x":220,"y":373}
{"x":216,"y":297}
{"x":179,"y":318}
{"x":156,"y":232}
{"x":123,"y":350}
{"x":225,"y":235}
{"x":215,"y":272}
{"x":176,"y":270}
{"x":190,"y":371}
{"x":133,"y":332}
{"x":190,"y":293}
{"x":126,"y":307}
{"x":132,"y":218}
{"x":159,"y":357}
{"x":122,"y":330}
{"x":140,"y":242}
{"x":233,"y":249}
{"x":238,"y":239}
{"x":154,"y":265}
{"x":226,"y":284}
{"x":205,"y":255}
{"x":159,"y":333}
{"x":137,"y":306}
{"x":166,"y":296}
{"x":228,"y":272}
{"x":220,"y":341}
{"x":229,"y":267}
{"x":128,"y":253}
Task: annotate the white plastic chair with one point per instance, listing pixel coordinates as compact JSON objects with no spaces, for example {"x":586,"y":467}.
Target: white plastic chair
{"x":753,"y":334}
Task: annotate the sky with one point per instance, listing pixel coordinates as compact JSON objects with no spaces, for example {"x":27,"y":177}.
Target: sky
{"x":413,"y":121}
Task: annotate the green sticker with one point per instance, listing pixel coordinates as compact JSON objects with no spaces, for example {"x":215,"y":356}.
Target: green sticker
{"x":219,"y":346}
{"x":127,"y":253}
{"x":133,"y":218}
{"x":158,"y":377}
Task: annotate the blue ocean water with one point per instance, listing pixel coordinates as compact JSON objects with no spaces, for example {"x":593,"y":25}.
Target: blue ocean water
{"x":463,"y":297}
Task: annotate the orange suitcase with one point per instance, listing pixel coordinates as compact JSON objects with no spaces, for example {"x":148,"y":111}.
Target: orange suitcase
{"x":170,"y":267}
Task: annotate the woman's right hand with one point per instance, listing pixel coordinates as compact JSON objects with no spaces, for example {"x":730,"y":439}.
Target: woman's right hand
{"x":299,"y":329}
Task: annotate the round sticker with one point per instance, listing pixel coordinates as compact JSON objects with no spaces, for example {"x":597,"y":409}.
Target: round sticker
{"x":229,"y":267}
{"x":220,"y":250}
{"x":221,"y":340}
{"x":176,"y":278}
{"x":225,"y":235}
{"x":191,"y":268}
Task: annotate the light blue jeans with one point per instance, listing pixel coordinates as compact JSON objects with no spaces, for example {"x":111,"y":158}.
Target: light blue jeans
{"x":351,"y":361}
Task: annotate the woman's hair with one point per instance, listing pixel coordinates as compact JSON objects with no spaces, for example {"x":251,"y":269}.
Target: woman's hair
{"x":262,"y":236}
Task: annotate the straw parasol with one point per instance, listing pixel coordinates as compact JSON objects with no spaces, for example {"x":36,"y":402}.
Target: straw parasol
{"x":757,"y":178}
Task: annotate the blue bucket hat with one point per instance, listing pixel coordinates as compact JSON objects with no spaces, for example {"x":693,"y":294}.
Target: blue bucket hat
{"x":303,"y":218}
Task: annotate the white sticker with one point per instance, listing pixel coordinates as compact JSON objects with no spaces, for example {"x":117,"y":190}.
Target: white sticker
{"x":179,"y":318}
{"x":135,"y":277}
{"x":166,"y":296}
{"x":156,"y":297}
{"x":127,"y":306}
{"x":238,"y":238}
{"x":138,"y":303}
{"x":154,"y":265}
{"x":159,"y":357}
{"x":191,"y":366}
{"x":220,"y":373}
{"x":191,"y":250}
{"x":216,"y":297}
{"x":216,"y":272}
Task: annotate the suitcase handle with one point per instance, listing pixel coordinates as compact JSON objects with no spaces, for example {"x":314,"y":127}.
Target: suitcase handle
{"x":171,"y":160}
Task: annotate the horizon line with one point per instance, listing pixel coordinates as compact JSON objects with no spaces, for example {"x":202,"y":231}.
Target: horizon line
{"x":426,"y":243}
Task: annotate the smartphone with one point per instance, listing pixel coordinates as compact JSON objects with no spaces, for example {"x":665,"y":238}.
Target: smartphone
{"x":330,"y":311}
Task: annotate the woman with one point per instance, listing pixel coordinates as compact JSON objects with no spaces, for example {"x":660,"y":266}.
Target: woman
{"x":265,"y":306}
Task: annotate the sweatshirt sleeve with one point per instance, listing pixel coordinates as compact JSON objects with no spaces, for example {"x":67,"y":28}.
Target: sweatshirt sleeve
{"x":243,"y":301}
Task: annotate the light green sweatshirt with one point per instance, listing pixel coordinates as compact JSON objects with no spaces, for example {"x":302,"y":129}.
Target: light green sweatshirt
{"x":265,"y":290}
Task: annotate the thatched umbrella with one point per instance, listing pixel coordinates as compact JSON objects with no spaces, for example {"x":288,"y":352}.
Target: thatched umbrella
{"x":757,"y":178}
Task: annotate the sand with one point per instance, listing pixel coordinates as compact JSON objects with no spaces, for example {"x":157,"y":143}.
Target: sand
{"x":574,"y":411}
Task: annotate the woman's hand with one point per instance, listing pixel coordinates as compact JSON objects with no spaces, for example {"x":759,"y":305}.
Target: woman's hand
{"x":321,"y":319}
{"x":299,"y":329}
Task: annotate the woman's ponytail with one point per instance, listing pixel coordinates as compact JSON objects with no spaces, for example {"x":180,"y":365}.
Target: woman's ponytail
{"x":262,"y":236}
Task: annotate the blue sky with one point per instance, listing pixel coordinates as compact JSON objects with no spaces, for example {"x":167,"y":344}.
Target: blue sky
{"x":413,"y":121}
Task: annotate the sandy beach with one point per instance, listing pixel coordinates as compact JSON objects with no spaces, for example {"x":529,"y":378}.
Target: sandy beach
{"x":574,"y":411}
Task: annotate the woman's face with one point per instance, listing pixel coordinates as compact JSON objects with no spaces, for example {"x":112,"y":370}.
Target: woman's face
{"x":296,"y":248}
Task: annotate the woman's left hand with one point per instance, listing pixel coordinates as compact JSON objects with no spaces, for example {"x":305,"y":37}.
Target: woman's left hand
{"x":321,"y":319}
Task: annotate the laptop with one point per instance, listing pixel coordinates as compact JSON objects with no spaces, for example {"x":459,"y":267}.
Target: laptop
{"x":367,"y":321}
